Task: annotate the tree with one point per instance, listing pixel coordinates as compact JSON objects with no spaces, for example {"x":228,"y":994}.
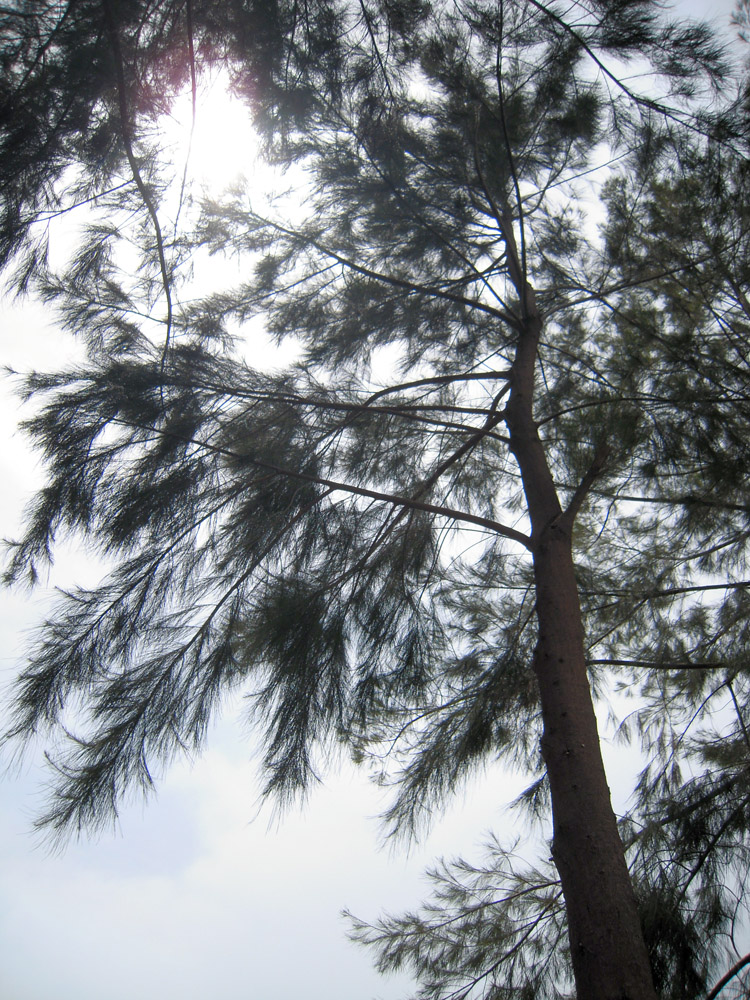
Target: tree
{"x":443,"y":565}
{"x":682,"y":318}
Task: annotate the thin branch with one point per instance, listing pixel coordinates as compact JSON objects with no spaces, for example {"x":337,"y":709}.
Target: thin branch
{"x":463,"y":991}
{"x":645,"y":102}
{"x":390,"y":498}
{"x":407,"y":411}
{"x":685,"y":500}
{"x":193,"y":110}
{"x":739,"y":714}
{"x":626,"y":284}
{"x":509,"y":151}
{"x":567,"y":518}
{"x":706,"y":852}
{"x":135,"y":169}
{"x":389,"y":279}
{"x":651,"y":665}
{"x":376,"y":48}
{"x":437,"y":380}
{"x":737,"y":967}
{"x":668,"y":591}
{"x":50,"y":215}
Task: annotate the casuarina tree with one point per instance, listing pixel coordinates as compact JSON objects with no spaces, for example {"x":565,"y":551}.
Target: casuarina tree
{"x":501,"y":921}
{"x":492,"y":483}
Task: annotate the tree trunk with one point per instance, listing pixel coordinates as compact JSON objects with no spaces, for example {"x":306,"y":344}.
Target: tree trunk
{"x":609,"y":956}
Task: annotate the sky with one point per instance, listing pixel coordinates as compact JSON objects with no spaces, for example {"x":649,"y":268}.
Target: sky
{"x":200,"y":892}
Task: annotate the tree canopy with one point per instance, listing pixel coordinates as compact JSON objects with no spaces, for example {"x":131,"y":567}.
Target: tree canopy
{"x":505,"y":474}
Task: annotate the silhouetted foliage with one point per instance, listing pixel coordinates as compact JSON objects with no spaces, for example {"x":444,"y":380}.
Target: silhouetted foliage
{"x":493,"y":399}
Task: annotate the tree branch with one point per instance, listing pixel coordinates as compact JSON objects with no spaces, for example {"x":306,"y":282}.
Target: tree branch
{"x":389,"y":279}
{"x":651,"y":665}
{"x":737,"y":967}
{"x":566,"y":519}
{"x":332,"y":484}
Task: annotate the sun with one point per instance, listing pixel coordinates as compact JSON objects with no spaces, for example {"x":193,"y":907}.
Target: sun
{"x":218,"y":144}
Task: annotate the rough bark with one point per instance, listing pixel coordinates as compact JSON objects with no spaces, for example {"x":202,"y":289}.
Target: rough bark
{"x":609,"y":956}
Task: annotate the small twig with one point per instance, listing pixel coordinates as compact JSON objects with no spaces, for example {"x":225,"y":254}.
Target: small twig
{"x":193,"y":113}
{"x":739,"y":714}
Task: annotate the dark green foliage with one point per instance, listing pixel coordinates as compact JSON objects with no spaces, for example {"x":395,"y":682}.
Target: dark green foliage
{"x":349,"y":548}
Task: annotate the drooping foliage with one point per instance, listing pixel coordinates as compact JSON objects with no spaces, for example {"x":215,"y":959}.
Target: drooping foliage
{"x":347,"y":540}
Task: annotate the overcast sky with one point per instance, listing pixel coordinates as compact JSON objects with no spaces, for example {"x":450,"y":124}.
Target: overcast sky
{"x":197,"y":895}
